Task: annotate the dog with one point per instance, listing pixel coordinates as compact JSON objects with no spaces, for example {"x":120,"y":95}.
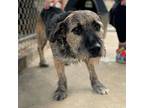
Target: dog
{"x":73,"y":37}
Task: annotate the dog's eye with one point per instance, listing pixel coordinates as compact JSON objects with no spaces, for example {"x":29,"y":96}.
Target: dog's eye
{"x":96,"y":26}
{"x":77,"y":30}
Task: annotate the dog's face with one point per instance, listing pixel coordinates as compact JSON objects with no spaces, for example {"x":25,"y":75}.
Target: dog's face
{"x":83,"y":32}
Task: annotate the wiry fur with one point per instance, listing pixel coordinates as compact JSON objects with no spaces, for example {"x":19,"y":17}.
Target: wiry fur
{"x":74,"y":36}
{"x":62,"y":41}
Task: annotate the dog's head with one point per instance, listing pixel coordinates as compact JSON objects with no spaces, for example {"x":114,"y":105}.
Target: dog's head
{"x":83,"y":31}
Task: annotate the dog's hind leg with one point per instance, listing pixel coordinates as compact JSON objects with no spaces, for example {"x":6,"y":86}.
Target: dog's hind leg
{"x":61,"y":92}
{"x":95,"y":83}
{"x":41,"y":46}
{"x":41,"y":40}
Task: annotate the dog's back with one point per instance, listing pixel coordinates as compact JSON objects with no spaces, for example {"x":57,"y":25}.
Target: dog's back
{"x":51,"y":17}
{"x":48,"y":14}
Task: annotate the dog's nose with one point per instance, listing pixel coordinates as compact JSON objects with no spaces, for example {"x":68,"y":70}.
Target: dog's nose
{"x":95,"y":50}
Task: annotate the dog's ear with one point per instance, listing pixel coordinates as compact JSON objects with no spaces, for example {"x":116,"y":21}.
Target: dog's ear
{"x":60,"y":32}
{"x":61,"y":28}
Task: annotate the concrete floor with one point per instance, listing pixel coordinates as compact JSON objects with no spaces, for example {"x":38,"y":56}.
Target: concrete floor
{"x":37,"y":85}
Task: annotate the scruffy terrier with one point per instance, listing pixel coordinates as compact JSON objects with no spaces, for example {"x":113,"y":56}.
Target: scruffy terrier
{"x":73,"y":37}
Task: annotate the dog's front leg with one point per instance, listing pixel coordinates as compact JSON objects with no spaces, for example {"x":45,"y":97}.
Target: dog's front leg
{"x":61,"y":92}
{"x":95,"y":83}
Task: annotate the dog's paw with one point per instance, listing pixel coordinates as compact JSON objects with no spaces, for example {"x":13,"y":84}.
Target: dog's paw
{"x":43,"y":65}
{"x":60,"y":95}
{"x":100,"y":88}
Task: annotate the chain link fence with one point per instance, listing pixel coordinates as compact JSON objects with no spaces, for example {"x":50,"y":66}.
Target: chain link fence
{"x":27,"y":16}
{"x":28,"y":11}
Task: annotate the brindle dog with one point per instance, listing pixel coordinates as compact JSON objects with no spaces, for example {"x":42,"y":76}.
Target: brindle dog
{"x":74,"y":36}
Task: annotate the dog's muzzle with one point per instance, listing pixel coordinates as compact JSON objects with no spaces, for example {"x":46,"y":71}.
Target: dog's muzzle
{"x":93,"y":45}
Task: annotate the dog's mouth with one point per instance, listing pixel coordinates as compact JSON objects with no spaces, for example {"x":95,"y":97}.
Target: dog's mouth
{"x":91,"y":53}
{"x":95,"y":52}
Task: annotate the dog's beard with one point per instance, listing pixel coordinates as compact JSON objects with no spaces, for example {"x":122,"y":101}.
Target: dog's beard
{"x":65,"y":49}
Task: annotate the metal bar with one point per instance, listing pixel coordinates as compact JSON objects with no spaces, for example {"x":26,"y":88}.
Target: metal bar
{"x":31,"y":36}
